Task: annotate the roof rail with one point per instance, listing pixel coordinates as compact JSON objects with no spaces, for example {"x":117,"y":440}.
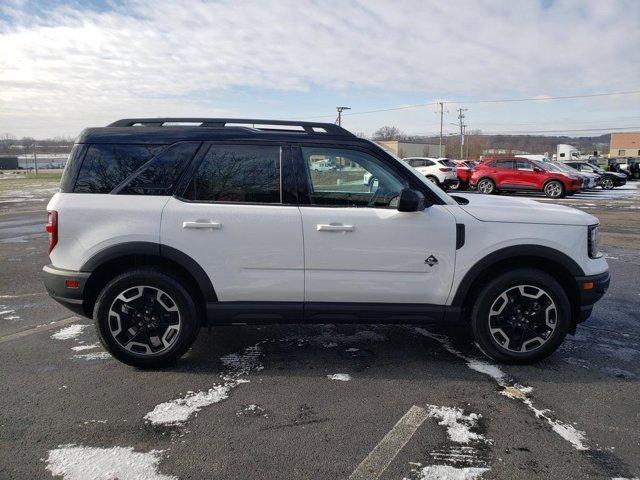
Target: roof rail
{"x":311,"y":128}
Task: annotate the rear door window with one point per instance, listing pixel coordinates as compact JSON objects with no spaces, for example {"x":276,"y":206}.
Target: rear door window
{"x":503,"y":164}
{"x":238,"y":174}
{"x":161,"y":173}
{"x":107,"y":166}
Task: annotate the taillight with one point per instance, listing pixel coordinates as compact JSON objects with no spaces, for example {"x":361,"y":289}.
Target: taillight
{"x":52,"y":228}
{"x":444,"y":169}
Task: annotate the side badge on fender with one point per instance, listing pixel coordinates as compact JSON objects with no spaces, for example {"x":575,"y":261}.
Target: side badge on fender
{"x":431,"y":261}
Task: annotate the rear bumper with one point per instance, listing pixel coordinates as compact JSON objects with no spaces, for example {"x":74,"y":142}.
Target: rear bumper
{"x":591,"y":289}
{"x":55,"y":281}
{"x":447,"y":182}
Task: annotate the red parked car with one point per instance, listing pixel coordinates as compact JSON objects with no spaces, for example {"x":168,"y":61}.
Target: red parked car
{"x":506,"y":174}
{"x":463,"y":171}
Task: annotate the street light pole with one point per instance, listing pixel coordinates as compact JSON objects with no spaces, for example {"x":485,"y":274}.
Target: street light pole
{"x":35,"y":160}
{"x":441,"y":118}
{"x":340,"y":109}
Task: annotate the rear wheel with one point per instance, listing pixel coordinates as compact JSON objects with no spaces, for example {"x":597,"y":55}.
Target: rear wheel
{"x":433,"y":180}
{"x":486,"y":186}
{"x":146,"y":318}
{"x":554,"y":189}
{"x":455,"y":185}
{"x":521,"y":316}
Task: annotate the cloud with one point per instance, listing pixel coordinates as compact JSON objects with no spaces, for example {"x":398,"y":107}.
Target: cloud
{"x":63,"y":67}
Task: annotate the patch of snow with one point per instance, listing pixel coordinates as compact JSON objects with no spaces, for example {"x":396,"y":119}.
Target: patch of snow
{"x":487,"y":368}
{"x":93,"y":356}
{"x":329,"y":344}
{"x":80,"y":348}
{"x":342,"y":377}
{"x":446,"y":472}
{"x":458,"y":424}
{"x":73,"y":462}
{"x":70,"y":332}
{"x":178,"y":411}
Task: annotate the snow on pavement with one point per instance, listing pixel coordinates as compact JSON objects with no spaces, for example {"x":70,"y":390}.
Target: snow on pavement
{"x":71,"y":332}
{"x":73,"y":462}
{"x":342,"y":377}
{"x":514,"y":391}
{"x":446,"y":472}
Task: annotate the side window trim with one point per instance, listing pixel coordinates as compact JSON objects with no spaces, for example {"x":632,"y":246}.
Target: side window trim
{"x":201,"y":154}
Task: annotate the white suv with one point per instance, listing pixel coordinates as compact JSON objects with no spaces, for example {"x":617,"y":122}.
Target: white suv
{"x":163,"y":225}
{"x":440,"y":171}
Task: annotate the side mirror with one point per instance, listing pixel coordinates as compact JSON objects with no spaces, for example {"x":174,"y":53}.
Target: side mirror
{"x":537,"y":169}
{"x":411,"y":201}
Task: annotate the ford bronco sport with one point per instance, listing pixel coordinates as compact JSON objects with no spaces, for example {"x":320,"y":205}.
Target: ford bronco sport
{"x":163,"y":225}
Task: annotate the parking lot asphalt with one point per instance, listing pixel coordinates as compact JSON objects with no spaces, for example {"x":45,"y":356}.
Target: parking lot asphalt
{"x":318,"y":401}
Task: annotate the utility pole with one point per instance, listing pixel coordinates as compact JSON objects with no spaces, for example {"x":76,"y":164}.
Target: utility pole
{"x":462,"y":127}
{"x":340,"y":109}
{"x":441,"y":118}
{"x":35,"y":159}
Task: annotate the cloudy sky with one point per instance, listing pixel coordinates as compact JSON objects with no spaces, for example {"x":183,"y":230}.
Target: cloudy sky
{"x":68,"y":65}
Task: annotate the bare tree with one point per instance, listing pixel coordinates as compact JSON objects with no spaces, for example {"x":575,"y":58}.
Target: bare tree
{"x":388,"y":133}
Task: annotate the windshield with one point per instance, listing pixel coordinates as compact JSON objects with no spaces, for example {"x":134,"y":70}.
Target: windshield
{"x":565,"y":168}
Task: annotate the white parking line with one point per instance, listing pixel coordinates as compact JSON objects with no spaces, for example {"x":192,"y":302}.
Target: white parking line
{"x":383,"y":454}
{"x":39,"y":328}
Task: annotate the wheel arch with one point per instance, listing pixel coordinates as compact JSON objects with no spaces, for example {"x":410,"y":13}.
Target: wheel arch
{"x":554,"y":262}
{"x":108,"y":263}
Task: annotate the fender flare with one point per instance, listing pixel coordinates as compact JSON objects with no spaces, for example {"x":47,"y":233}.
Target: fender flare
{"x":155,"y":250}
{"x":514,"y":251}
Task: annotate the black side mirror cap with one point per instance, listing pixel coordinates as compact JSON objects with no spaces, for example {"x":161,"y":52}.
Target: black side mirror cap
{"x":411,"y":201}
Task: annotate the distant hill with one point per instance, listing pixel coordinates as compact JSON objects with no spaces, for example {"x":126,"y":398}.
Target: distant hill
{"x":476,"y":142}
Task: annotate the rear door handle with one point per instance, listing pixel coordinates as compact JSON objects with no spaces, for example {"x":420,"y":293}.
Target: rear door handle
{"x":335,"y":228}
{"x":202,"y":224}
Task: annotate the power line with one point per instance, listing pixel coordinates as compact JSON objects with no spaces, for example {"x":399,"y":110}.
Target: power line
{"x":508,"y":100}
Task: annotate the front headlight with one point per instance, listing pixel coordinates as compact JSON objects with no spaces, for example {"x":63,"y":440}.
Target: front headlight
{"x":592,"y":242}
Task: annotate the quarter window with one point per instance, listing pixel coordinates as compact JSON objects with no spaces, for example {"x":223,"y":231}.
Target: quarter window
{"x":107,"y":166}
{"x":356,"y":179}
{"x":237,"y":173}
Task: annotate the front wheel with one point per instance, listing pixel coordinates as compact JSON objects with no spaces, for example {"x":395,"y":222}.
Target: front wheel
{"x":146,"y":318}
{"x":521,"y":316}
{"x":554,"y":189}
{"x":607,"y":184}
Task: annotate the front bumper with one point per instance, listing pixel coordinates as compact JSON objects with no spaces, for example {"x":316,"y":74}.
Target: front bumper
{"x":57,"y":281}
{"x":590,"y":289}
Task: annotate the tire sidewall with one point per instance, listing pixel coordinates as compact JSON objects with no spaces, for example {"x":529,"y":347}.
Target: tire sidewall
{"x":490,"y":182}
{"x":188,"y":316}
{"x":562,"y":189}
{"x":482,"y":306}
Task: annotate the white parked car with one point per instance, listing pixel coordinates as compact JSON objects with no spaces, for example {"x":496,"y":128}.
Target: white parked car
{"x":160,"y":228}
{"x":440,"y":171}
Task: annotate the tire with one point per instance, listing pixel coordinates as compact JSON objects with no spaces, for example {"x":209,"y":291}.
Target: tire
{"x":500,"y":334}
{"x":486,"y":186}
{"x":433,"y":180}
{"x":607,"y":184}
{"x":456,"y":186}
{"x":166,"y":316}
{"x":554,"y":189}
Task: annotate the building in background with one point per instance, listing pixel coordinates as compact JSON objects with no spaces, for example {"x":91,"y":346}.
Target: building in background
{"x":624,"y":144}
{"x":8,"y":162}
{"x":404,"y":149}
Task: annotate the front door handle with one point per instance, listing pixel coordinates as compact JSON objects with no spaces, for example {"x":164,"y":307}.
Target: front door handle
{"x":335,"y":228}
{"x":202,"y":224}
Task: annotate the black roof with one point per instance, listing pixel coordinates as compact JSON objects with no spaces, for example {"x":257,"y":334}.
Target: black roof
{"x":171,"y":130}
